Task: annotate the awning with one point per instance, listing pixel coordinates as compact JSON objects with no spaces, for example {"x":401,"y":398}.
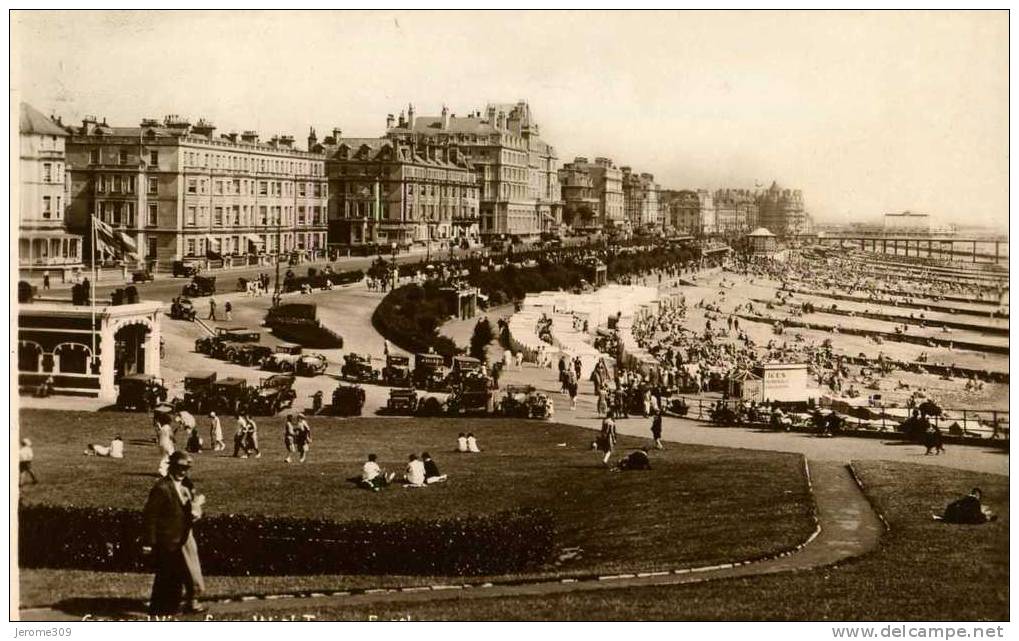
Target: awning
{"x":254,"y":238}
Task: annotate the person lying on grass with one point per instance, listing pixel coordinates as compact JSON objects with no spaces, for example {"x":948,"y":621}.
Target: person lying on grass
{"x":115,"y":449}
{"x":635,"y":460}
{"x":432,"y":474}
{"x":968,"y":510}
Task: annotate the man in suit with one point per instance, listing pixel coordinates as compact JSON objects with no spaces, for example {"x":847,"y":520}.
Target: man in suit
{"x":169,"y":512}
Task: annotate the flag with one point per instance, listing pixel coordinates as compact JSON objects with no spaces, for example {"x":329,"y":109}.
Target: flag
{"x":113,"y":241}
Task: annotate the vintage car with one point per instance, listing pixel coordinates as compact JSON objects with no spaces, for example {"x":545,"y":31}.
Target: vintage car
{"x":402,"y":401}
{"x":187,"y":270}
{"x":284,"y":359}
{"x":228,"y":396}
{"x":140,"y":392}
{"x":272,"y":395}
{"x":348,"y":400}
{"x":358,"y":367}
{"x":464,"y":366}
{"x":199,"y":286}
{"x":197,"y":387}
{"x":472,"y":395}
{"x":182,"y":309}
{"x":429,"y":372}
{"x":311,"y":365}
{"x":431,"y":406}
{"x":142,"y":276}
{"x":397,"y":371}
{"x":524,"y":401}
{"x":214,"y":345}
{"x":251,"y":354}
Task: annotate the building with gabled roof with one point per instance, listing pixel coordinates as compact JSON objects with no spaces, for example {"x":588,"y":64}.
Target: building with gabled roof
{"x":517,"y":171}
{"x":45,"y":246}
{"x":387,"y":193}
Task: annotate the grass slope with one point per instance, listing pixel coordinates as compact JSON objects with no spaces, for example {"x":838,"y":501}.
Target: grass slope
{"x":923,"y":571}
{"x":700,"y":505}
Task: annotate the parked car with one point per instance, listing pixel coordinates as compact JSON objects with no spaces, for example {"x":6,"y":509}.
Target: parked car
{"x":214,"y":345}
{"x":183,"y":309}
{"x":187,"y":270}
{"x":358,"y":367}
{"x":464,"y":367}
{"x":200,"y":286}
{"x":348,"y":400}
{"x":285,"y":358}
{"x":272,"y":395}
{"x":402,"y":401}
{"x":142,"y":276}
{"x":140,"y":392}
{"x":251,"y":354}
{"x":197,"y":386}
{"x":228,"y":396}
{"x":397,"y":371}
{"x":311,"y":365}
{"x":524,"y":401}
{"x":429,"y":372}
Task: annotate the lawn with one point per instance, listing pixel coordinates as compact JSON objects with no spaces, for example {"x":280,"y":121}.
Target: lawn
{"x":700,"y":505}
{"x":923,"y":570}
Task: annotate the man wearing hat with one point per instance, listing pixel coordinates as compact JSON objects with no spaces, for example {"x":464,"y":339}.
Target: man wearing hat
{"x":169,"y":513}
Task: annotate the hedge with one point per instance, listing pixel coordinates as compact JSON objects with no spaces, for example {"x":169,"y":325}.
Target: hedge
{"x":317,"y":279}
{"x":108,"y":539}
{"x":410,"y":317}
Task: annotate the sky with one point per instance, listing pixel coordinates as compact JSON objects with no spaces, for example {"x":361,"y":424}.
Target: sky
{"x":866,"y":112}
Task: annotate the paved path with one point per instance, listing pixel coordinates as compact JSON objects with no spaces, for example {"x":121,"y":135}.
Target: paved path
{"x":847,"y":527}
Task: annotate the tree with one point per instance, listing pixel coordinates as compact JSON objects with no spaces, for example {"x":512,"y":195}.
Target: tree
{"x":480,"y":339}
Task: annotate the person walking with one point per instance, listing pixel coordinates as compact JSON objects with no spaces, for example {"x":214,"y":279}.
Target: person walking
{"x":212,"y":309}
{"x":656,"y":430}
{"x":228,"y":310}
{"x":251,"y":437}
{"x":302,"y":436}
{"x":166,"y":446}
{"x":289,"y":437}
{"x":168,"y":539}
{"x":45,"y":279}
{"x":239,"y":437}
{"x":216,"y":433}
{"x":607,"y":438}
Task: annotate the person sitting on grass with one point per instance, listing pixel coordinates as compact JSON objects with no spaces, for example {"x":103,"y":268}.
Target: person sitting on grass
{"x":194,"y":442}
{"x":115,"y":449}
{"x":472,"y":444}
{"x":461,"y":443}
{"x":432,"y":474}
{"x":372,"y":476}
{"x":968,"y":510}
{"x":635,"y":460}
{"x":415,"y":474}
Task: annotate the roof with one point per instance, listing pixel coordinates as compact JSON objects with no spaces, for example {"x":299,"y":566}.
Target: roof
{"x":33,"y":121}
{"x":760,"y":231}
{"x":432,"y":124}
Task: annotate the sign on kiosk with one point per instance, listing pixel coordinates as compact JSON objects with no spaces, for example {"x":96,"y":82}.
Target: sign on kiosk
{"x":784,"y":382}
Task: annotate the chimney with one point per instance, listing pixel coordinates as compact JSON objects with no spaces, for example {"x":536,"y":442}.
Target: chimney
{"x":250,"y":137}
{"x":403,"y":121}
{"x":500,"y":120}
{"x":445,"y":117}
{"x":490,"y":115}
{"x":337,"y":134}
{"x":312,"y":138}
{"x":232,"y":136}
{"x":274,"y":141}
{"x":286,"y":141}
{"x":410,"y":116}
{"x":390,"y":121}
{"x":204,"y":128}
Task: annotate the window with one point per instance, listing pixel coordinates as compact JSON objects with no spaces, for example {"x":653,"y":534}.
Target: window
{"x":153,"y":215}
{"x":219,"y":187}
{"x":46,"y":207}
{"x":318,"y":190}
{"x":123,"y":156}
{"x":325,"y":190}
{"x":263,"y":188}
{"x":47,"y":172}
{"x":189,"y":217}
{"x":58,"y":212}
{"x":190,"y":248}
{"x":300,"y":188}
{"x":237,"y":214}
{"x":217,"y":216}
{"x":300,"y":215}
{"x":152,"y":248}
{"x":154,"y":158}
{"x":192,"y":186}
{"x":93,"y":156}
{"x":262,"y":215}
{"x":116,"y":185}
{"x":153,"y":185}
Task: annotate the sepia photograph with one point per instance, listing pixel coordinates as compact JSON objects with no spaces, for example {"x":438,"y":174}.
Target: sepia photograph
{"x":468,"y":315}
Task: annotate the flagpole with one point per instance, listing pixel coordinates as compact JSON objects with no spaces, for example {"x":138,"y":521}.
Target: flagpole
{"x":91,"y":287}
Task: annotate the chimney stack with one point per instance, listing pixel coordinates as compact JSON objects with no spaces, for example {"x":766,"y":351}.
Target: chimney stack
{"x":410,"y":116}
{"x":390,"y":121}
{"x":250,"y":136}
{"x":312,"y":138}
{"x":337,"y":134}
{"x":445,"y":117}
